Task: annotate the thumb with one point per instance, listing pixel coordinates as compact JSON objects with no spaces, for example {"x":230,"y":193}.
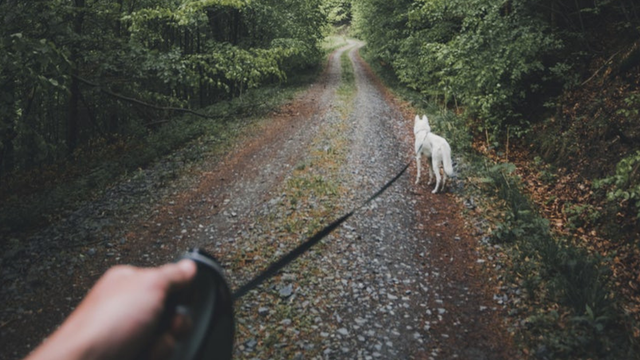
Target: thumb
{"x":179,"y":274}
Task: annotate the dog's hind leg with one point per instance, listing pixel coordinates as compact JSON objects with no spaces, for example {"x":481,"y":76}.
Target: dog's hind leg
{"x":430,"y":174}
{"x":418,"y":166}
{"x":435,"y":168}
{"x":444,"y":179}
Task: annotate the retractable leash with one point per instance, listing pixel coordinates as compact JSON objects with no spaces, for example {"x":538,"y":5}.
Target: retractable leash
{"x":209,"y":302}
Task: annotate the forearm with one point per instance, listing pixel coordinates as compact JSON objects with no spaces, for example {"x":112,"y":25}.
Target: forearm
{"x":63,"y":344}
{"x":118,"y":318}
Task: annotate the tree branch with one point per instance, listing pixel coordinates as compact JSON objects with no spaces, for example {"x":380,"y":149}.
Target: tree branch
{"x":606,"y":63}
{"x":139,"y":102}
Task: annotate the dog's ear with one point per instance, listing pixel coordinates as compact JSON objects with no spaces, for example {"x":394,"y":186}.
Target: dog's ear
{"x":417,"y":118}
{"x":424,"y":117}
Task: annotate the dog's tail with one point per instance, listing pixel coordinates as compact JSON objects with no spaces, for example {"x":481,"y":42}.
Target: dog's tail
{"x":447,"y":164}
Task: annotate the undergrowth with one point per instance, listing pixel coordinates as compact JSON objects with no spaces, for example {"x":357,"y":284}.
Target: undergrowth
{"x":571,"y":311}
{"x":33,"y":198}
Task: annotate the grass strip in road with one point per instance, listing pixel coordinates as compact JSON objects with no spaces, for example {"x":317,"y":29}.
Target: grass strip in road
{"x":347,"y":90}
{"x":310,"y":198}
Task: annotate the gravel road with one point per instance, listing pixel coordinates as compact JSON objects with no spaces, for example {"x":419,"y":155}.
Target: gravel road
{"x":368,"y":299}
{"x":398,"y":281}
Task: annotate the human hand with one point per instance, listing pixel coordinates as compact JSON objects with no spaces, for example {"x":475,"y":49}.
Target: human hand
{"x":119,"y":317}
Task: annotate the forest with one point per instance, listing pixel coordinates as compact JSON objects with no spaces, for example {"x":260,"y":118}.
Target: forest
{"x":548,"y":87}
{"x":525,"y":69}
{"x":83,"y":71}
{"x":107,"y":87}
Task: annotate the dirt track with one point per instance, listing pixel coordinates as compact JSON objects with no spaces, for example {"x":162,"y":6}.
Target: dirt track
{"x":400,"y":280}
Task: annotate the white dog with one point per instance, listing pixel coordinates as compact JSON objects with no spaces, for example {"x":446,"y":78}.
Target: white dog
{"x":435,"y":147}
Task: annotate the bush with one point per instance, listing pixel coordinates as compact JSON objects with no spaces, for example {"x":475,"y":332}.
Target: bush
{"x":624,"y":186}
{"x":493,"y":58}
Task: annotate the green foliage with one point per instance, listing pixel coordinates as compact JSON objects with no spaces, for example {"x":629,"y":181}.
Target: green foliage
{"x":99,"y":164}
{"x":381,"y":23}
{"x":579,"y":215}
{"x":546,"y":172}
{"x":625,"y":184}
{"x":581,"y":285}
{"x":632,"y":102}
{"x":188,"y":54}
{"x":580,"y":317}
{"x":478,"y":53}
{"x":501,"y":60}
{"x":338,"y":12}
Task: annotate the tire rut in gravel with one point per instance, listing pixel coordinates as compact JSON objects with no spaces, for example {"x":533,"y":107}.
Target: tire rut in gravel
{"x":386,"y":294}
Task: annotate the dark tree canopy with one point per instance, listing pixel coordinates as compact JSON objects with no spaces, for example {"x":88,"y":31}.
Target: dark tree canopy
{"x":72,"y":71}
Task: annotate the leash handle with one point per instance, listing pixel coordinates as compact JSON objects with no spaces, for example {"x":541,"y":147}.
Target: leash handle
{"x":208,"y":303}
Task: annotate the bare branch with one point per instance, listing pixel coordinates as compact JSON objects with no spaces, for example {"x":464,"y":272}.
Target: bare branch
{"x":139,"y":102}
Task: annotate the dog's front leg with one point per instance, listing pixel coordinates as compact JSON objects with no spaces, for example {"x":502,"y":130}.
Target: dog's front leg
{"x":431,"y":174}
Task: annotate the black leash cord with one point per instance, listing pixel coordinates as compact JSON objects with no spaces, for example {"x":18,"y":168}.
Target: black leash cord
{"x":307,"y":244}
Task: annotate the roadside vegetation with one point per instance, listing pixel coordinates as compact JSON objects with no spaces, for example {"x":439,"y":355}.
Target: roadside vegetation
{"x":129,"y":83}
{"x":33,"y":197}
{"x":541,"y":100}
